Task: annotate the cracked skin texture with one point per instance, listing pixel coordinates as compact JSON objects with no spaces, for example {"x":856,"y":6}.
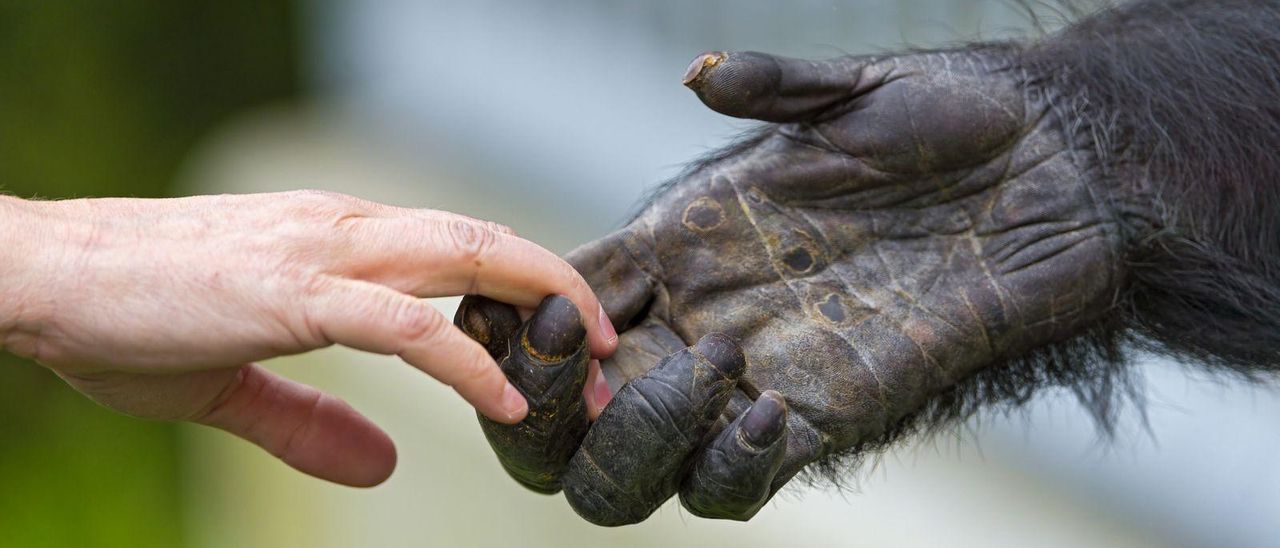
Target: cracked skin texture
{"x":903,"y":222}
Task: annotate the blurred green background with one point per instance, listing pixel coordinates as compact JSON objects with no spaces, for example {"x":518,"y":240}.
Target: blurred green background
{"x":107,"y":99}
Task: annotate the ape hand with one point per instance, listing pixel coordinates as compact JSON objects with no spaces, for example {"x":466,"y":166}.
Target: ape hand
{"x":905,"y":222}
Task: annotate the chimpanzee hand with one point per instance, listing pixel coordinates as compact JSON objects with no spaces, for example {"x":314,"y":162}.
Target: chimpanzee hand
{"x":905,"y":222}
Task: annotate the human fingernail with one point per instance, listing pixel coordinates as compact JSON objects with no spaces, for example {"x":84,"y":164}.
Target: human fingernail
{"x":765,"y":420}
{"x":606,"y":327}
{"x":514,"y":403}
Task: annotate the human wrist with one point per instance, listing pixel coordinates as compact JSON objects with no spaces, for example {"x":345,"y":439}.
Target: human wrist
{"x":23,"y":244}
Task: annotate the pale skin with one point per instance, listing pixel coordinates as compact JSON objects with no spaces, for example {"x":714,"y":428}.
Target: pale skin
{"x":160,"y":309}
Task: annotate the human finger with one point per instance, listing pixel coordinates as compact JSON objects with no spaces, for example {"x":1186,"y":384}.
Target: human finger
{"x":375,"y":318}
{"x":309,"y":430}
{"x":452,"y":256}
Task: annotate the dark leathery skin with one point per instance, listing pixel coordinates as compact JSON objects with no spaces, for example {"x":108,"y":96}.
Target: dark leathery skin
{"x":733,"y":477}
{"x":666,"y":414}
{"x":905,"y":222}
{"x":546,"y":360}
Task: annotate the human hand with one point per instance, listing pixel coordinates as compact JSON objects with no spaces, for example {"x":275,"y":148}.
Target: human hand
{"x":906,"y":223}
{"x":158,"y":309}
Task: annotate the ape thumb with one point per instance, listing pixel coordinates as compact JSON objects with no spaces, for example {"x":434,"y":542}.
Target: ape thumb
{"x":617,"y":268}
{"x":765,"y":87}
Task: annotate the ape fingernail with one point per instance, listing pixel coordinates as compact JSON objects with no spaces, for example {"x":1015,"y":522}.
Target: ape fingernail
{"x":766,"y":419}
{"x":476,"y":324}
{"x":489,"y":322}
{"x":706,"y":60}
{"x":723,"y":353}
{"x":556,"y":330}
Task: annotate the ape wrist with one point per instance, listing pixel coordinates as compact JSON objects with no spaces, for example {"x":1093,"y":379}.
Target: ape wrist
{"x":1175,"y":103}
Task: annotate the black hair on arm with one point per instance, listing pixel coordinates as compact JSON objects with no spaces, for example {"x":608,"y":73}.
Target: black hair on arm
{"x":1176,"y":105}
{"x":1181,"y":100}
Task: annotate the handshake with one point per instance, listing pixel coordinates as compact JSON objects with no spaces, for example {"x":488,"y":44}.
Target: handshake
{"x":906,"y":239}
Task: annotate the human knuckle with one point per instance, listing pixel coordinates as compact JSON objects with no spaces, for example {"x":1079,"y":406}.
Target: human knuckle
{"x":291,"y":445}
{"x":500,"y":228}
{"x":313,"y":284}
{"x":488,"y":225}
{"x":319,"y":195}
{"x":469,"y":240}
{"x":477,"y":373}
{"x":577,"y":285}
{"x":219,"y":403}
{"x":320,"y":205}
{"x":413,"y":321}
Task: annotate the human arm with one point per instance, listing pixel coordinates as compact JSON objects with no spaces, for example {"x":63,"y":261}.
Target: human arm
{"x":158,"y":308}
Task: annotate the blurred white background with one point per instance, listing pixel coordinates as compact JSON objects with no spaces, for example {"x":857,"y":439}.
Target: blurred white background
{"x":554,"y":118}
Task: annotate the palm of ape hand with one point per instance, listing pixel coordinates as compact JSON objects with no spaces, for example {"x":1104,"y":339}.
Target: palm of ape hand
{"x":908,"y":221}
{"x":877,"y":254}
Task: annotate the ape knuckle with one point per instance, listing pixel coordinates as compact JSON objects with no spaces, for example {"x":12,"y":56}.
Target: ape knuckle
{"x":700,"y":504}
{"x":598,"y":498}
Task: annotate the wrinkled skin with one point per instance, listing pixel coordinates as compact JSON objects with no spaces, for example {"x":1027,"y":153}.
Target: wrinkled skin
{"x":904,"y":223}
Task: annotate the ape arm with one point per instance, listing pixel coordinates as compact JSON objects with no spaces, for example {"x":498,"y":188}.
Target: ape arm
{"x":915,"y":236}
{"x":1179,"y":102}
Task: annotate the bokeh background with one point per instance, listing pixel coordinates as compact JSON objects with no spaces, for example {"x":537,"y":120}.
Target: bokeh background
{"x":551,"y":117}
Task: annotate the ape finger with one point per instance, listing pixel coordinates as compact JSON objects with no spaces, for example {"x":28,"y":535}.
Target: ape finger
{"x":617,"y":267}
{"x":732,"y":478}
{"x":750,"y":84}
{"x":633,"y":457}
{"x":546,"y":360}
{"x":638,"y":347}
{"x":488,"y":322}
